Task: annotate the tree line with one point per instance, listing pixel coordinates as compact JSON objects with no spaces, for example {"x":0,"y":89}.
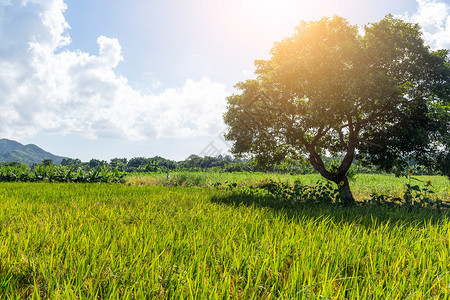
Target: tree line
{"x":196,"y":163}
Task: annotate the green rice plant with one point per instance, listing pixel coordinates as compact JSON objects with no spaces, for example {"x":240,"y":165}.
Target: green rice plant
{"x":84,"y":241}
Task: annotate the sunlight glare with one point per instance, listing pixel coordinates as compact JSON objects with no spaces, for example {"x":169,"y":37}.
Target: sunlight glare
{"x":275,"y":12}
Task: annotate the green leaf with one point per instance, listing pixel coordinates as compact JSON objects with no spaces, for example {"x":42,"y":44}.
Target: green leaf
{"x":415,"y":188}
{"x":413,"y":178}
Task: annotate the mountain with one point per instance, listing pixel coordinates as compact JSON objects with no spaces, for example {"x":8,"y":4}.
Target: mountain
{"x":27,"y":154}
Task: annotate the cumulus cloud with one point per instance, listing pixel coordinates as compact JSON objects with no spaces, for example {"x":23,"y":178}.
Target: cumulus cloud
{"x":44,"y":87}
{"x":434,"y":17}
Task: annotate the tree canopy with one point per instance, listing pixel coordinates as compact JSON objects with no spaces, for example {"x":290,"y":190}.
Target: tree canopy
{"x":330,"y":89}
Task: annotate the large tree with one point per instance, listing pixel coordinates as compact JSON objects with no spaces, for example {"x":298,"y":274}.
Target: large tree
{"x":332,"y":89}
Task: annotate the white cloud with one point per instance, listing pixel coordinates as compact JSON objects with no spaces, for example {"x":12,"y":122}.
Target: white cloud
{"x":44,"y":87}
{"x":434,"y":17}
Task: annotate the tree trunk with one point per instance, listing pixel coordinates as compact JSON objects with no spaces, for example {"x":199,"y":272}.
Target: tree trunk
{"x":345,"y":192}
{"x":338,"y":177}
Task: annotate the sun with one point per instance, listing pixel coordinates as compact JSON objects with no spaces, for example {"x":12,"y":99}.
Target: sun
{"x":275,"y":11}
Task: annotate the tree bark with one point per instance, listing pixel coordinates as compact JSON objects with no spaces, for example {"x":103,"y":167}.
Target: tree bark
{"x":339,"y":177}
{"x":345,"y":192}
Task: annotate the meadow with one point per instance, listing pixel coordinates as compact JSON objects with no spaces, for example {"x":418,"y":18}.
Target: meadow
{"x":144,"y":240}
{"x":363,"y":185}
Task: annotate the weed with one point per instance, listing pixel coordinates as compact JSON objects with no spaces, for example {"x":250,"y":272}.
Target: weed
{"x":414,"y":195}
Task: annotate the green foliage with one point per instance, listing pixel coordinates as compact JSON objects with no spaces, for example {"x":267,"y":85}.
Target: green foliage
{"x":137,"y":163}
{"x":213,"y":164}
{"x":152,"y":166}
{"x":119,"y":163}
{"x":414,"y":195}
{"x":70,"y":162}
{"x":283,"y":194}
{"x":58,"y":173}
{"x":333,"y":168}
{"x":287,"y":194}
{"x":96,"y":163}
{"x":185,"y":179}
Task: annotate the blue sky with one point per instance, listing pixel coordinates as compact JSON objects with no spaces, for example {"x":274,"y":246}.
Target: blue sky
{"x":114,"y":78}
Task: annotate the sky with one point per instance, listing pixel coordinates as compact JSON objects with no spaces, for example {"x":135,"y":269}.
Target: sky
{"x":119,"y":78}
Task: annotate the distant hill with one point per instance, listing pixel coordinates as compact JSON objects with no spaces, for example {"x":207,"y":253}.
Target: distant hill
{"x":27,"y":154}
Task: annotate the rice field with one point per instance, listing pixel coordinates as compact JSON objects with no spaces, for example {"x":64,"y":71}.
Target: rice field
{"x":112,"y":241}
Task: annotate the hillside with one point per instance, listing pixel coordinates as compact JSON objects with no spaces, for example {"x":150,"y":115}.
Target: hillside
{"x":27,"y":154}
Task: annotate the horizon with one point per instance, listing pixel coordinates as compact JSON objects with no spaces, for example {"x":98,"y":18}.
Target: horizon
{"x":108,"y":161}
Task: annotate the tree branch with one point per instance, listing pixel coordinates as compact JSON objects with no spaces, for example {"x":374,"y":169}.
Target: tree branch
{"x":317,"y":163}
{"x":369,"y":142}
{"x":341,"y":136}
{"x":320,"y":133}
